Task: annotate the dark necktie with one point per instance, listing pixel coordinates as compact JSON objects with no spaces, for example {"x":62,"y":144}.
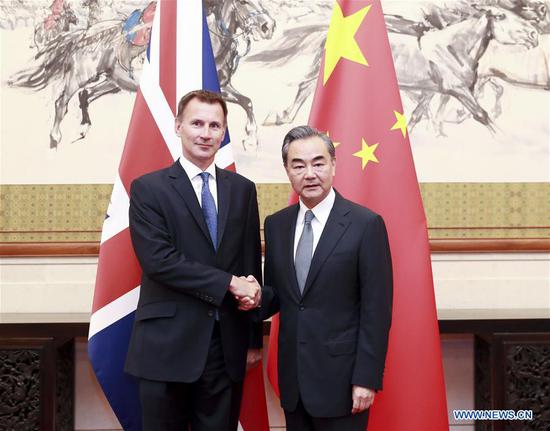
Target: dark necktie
{"x":304,"y":251}
{"x":209,"y":209}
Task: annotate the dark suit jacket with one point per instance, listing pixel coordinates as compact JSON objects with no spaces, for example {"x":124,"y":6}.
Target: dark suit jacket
{"x":185,"y":280}
{"x":336,"y":333}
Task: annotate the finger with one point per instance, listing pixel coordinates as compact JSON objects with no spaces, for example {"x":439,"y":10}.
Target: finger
{"x":359,"y":408}
{"x":245,"y":307}
{"x":355,"y":407}
{"x":243,"y":300}
{"x":251,"y":278}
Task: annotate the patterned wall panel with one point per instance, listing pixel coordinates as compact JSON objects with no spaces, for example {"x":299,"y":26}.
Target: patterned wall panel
{"x":75,"y":212}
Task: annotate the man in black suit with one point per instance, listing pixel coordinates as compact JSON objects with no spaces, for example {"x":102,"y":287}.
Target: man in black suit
{"x":195,"y":229}
{"x":328,"y":271}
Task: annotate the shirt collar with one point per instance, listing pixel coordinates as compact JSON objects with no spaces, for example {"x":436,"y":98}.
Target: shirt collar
{"x":321,"y":211}
{"x":192,"y":170}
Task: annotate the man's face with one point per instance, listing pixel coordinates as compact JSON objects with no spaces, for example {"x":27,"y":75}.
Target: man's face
{"x":310,"y":169}
{"x":201,"y":129}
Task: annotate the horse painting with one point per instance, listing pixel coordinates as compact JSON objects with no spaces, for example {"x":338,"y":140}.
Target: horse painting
{"x":236,"y":23}
{"x":446,"y":61}
{"x":98,"y":59}
{"x":519,"y":13}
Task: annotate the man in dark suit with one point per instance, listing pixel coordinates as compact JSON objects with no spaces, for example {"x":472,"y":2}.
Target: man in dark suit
{"x":195,"y":229}
{"x":328,"y":271}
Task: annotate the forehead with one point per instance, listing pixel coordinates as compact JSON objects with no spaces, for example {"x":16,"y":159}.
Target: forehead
{"x":196,"y":108}
{"x":308,"y":148}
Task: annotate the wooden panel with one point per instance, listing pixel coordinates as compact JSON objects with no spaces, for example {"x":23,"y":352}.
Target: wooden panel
{"x":43,"y":249}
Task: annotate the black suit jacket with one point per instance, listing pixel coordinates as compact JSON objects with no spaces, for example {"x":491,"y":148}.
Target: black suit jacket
{"x":185,"y":279}
{"x":335,"y":335}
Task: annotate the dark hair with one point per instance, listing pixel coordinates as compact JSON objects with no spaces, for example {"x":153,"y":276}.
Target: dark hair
{"x":303,"y":132}
{"x":206,"y":96}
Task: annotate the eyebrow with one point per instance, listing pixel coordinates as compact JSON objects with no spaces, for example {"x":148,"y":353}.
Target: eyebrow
{"x":206,"y":121}
{"x":315,"y":159}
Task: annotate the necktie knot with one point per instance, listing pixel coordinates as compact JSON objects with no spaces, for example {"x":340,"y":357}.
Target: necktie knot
{"x":204,"y":176}
{"x":309,"y":216}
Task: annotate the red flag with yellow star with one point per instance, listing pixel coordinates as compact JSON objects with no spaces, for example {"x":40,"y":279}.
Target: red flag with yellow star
{"x":357,"y":102}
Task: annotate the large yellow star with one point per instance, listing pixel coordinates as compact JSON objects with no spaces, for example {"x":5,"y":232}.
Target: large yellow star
{"x":366,"y":154}
{"x":401,"y":123}
{"x":341,"y":41}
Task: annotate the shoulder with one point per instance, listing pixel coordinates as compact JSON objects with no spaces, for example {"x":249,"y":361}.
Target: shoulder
{"x":236,"y":179}
{"x":154,"y":180}
{"x":282,"y":215}
{"x":357,"y":211}
{"x":153,"y":177}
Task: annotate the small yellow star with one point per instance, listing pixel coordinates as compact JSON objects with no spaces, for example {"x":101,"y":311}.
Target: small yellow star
{"x":341,"y":41}
{"x":366,"y":154}
{"x":401,"y":123}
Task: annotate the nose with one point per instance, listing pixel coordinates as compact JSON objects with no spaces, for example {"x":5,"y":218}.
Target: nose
{"x":205,"y":133}
{"x":309,"y":171}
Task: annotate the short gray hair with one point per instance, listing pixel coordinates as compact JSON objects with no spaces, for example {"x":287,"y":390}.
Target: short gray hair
{"x":304,"y":132}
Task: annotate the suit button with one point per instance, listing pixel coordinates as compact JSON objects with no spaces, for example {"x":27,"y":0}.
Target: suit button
{"x":302,"y":308}
{"x":210,"y":313}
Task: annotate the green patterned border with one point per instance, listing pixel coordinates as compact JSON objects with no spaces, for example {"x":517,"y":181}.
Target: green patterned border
{"x":75,"y":212}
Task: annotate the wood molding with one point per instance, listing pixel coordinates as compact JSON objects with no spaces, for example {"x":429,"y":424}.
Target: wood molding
{"x":44,"y":249}
{"x":91,"y":248}
{"x":489,"y":245}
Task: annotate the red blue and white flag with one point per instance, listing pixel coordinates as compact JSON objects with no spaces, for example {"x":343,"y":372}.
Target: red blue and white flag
{"x":179,"y":60}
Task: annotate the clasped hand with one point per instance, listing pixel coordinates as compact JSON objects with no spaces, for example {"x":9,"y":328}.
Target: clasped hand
{"x":247,"y":291}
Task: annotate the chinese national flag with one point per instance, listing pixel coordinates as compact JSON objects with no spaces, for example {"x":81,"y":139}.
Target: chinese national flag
{"x":357,"y":103}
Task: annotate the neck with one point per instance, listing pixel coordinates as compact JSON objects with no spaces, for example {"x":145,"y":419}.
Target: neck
{"x":201,"y":164}
{"x":481,"y":35}
{"x":313,"y":202}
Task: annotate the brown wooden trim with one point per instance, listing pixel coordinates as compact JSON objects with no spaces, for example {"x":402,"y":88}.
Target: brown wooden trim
{"x":488,"y":245}
{"x":43,"y":249}
{"x":34,"y":231}
{"x":466,"y":228}
{"x":484,"y":245}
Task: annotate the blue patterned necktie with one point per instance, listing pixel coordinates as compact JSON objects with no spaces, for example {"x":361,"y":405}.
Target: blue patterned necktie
{"x":209,"y":209}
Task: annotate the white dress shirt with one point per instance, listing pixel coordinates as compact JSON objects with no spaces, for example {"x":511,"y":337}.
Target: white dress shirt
{"x":321,"y":212}
{"x":193,"y":172}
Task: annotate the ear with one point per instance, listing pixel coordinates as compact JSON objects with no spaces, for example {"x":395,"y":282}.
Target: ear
{"x":177,"y":125}
{"x":493,"y":12}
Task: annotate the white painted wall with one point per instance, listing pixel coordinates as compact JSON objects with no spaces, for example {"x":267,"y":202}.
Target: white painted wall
{"x":517,"y":281}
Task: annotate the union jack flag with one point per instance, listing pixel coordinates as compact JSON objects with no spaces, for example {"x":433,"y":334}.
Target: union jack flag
{"x":179,"y":59}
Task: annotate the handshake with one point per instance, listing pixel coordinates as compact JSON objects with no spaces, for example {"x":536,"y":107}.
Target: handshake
{"x":247,"y":291}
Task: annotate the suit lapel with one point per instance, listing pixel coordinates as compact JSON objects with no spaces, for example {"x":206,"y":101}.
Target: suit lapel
{"x":224,"y":200}
{"x":182,"y":184}
{"x":335,"y":227}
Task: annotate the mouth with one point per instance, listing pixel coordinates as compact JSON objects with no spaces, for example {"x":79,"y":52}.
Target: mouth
{"x":202,"y":145}
{"x":311,"y":186}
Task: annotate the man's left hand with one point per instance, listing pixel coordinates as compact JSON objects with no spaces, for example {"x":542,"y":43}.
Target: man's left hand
{"x":362,"y":398}
{"x":253,"y":358}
